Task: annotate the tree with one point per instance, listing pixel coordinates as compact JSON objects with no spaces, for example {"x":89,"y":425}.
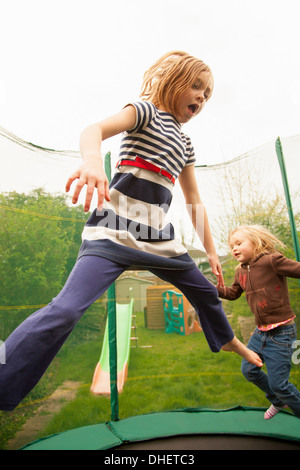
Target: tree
{"x":247,"y":200}
{"x":37,"y":233}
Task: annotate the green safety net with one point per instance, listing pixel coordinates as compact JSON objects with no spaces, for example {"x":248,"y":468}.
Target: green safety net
{"x":288,"y":198}
{"x":261,"y":186}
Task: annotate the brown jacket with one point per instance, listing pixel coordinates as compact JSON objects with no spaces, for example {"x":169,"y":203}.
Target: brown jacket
{"x":265,"y":285}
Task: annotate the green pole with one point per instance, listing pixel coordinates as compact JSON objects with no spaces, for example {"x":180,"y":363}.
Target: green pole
{"x":112,"y":342}
{"x":112,"y":329}
{"x":288,"y":198}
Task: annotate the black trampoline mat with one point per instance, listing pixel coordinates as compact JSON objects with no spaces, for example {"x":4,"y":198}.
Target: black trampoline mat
{"x":212,"y":442}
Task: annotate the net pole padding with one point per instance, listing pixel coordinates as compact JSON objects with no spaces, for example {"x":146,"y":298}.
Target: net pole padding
{"x":112,"y":342}
{"x":112,"y":329}
{"x":281,"y":161}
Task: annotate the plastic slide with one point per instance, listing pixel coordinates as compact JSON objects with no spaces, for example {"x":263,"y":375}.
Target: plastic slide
{"x":101,"y":379}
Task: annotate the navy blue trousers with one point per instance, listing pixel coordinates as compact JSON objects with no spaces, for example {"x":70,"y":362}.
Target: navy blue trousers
{"x":33,"y":345}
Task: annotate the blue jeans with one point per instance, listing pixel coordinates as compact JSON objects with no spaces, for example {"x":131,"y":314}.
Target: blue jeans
{"x":275,"y":349}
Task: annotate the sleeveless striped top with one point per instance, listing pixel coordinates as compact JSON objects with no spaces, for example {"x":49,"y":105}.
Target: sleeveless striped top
{"x":157,"y":137}
{"x":133,"y":228}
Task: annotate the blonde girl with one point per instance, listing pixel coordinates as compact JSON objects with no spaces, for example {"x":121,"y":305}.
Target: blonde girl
{"x":129,"y":228}
{"x":261,"y":273}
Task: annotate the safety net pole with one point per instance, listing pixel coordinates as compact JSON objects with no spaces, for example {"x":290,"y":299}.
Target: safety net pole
{"x":112,"y":329}
{"x":288,"y":197}
{"x":112,"y":342}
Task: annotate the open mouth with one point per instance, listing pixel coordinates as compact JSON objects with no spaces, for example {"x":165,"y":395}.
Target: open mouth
{"x":193,"y":108}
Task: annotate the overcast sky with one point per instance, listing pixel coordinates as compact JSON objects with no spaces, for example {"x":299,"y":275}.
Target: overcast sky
{"x":68,"y":63}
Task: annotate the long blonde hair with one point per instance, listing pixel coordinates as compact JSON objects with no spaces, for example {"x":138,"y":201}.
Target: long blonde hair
{"x":167,"y":78}
{"x":264,"y":241}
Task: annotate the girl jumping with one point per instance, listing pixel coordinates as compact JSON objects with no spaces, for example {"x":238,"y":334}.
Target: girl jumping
{"x":261,"y":274}
{"x":129,"y":228}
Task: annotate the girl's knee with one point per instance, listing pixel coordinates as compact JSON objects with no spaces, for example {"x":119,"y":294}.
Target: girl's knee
{"x":245,"y":368}
{"x":249,"y":370}
{"x":279,"y":388}
{"x":61,"y":313}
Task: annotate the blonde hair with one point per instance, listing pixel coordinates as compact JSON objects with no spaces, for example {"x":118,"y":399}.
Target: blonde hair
{"x":264,"y":241}
{"x":172,"y":74}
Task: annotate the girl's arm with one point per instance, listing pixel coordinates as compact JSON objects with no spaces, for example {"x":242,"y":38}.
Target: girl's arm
{"x":233,"y":292}
{"x":285,"y":266}
{"x":91,"y":171}
{"x":198,"y":215}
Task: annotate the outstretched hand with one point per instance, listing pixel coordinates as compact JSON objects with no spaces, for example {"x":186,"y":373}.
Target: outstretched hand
{"x":92,"y":174}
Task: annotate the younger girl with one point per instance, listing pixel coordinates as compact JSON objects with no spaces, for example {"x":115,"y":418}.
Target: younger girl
{"x":261,"y":274}
{"x":129,"y":227}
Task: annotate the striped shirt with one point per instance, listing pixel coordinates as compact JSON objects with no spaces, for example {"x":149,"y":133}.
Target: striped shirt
{"x":157,"y":137}
{"x":133,"y":228}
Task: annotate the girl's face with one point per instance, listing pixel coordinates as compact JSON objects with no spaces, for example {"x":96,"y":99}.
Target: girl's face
{"x":242,"y":247}
{"x":192,"y":100}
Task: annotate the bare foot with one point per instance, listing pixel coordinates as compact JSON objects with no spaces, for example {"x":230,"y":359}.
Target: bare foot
{"x":236,"y":346}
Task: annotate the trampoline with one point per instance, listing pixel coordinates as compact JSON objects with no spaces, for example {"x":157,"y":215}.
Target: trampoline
{"x":238,"y":428}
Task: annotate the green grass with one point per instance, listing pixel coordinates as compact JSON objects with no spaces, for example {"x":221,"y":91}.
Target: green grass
{"x":175,"y":372}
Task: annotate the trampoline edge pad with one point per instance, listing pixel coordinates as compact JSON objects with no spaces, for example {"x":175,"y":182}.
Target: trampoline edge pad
{"x":244,"y":421}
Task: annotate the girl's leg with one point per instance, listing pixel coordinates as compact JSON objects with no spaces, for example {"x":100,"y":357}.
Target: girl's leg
{"x":204,"y":297}
{"x":34,"y":344}
{"x":277,"y":354}
{"x":276,"y":349}
{"x":254,"y":374}
{"x":238,"y":347}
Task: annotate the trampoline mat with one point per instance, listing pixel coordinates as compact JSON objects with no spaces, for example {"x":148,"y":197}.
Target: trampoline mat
{"x":214,"y":442}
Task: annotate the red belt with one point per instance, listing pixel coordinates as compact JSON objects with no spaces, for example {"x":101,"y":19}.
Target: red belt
{"x":140,"y":163}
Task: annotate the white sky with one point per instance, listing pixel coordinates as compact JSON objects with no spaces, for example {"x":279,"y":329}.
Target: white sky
{"x":68,"y":63}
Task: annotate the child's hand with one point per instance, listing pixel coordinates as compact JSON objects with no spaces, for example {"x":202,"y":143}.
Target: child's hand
{"x":92,"y":174}
{"x":216,"y":269}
